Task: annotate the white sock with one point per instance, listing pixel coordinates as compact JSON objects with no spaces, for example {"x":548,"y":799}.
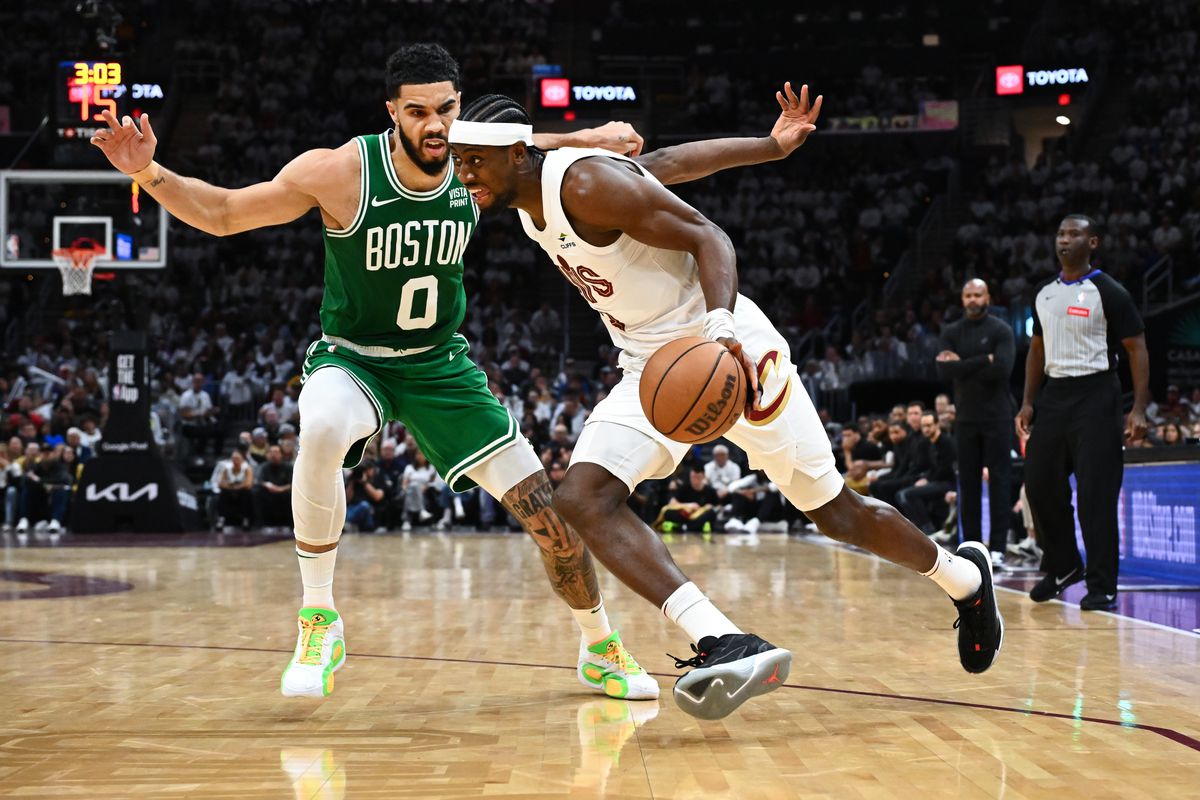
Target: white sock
{"x":688,"y":608}
{"x":957,"y":576}
{"x":316,"y":570}
{"x":593,"y":623}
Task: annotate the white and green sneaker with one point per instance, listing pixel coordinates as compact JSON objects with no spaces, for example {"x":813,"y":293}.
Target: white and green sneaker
{"x":320,"y":651}
{"x":608,"y":667}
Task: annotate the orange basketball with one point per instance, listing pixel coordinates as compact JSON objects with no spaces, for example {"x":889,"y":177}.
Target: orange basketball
{"x":693,"y":390}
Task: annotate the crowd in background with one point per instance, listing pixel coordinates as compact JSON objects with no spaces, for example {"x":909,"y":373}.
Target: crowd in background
{"x":816,"y":237}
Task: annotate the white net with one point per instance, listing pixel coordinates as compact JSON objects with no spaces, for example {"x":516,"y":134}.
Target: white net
{"x":75,"y":264}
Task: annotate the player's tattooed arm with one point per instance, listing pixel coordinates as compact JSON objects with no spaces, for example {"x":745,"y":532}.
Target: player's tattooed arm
{"x":567,"y":561}
{"x":694,"y":160}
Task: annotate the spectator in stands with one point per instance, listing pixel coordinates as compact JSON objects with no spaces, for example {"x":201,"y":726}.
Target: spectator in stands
{"x":83,"y":453}
{"x":365,"y":496}
{"x":237,"y":390}
{"x":1173,"y":434}
{"x":908,"y":464}
{"x":417,"y":484}
{"x":274,"y":490}
{"x":198,"y":416}
{"x":858,"y":455}
{"x":933,"y":483}
{"x":286,"y":410}
{"x":1172,"y":409}
{"x":721,"y":471}
{"x":60,"y":479}
{"x":693,"y":505}
{"x":572,"y":414}
{"x":22,"y":482}
{"x":235,"y":502}
{"x":258,"y":446}
{"x":912,"y":415}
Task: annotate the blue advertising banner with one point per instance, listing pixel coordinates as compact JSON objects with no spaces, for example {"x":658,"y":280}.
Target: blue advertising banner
{"x":1157,"y":513}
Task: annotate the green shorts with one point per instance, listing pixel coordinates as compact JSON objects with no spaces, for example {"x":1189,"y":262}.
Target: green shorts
{"x":439,"y":395}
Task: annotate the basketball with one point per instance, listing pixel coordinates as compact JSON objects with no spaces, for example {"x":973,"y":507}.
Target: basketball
{"x":693,"y":390}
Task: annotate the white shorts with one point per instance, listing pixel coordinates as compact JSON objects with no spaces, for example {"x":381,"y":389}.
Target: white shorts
{"x":783,"y":436}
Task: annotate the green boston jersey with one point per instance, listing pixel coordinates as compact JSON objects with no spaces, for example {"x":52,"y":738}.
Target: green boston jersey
{"x":393,"y":278}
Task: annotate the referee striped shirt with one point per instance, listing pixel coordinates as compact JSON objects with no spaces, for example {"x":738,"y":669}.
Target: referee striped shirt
{"x":1082,"y":323}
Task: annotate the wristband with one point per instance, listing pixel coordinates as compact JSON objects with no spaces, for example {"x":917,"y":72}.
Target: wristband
{"x":147,"y":173}
{"x":718,"y":324}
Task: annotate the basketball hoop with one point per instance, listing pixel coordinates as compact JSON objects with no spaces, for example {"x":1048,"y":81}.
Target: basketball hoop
{"x":75,"y":264}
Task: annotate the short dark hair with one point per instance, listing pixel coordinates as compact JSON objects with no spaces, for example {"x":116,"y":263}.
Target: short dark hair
{"x":495,"y":108}
{"x":697,"y":467}
{"x":918,"y":403}
{"x":1092,"y":225}
{"x":419,"y":63}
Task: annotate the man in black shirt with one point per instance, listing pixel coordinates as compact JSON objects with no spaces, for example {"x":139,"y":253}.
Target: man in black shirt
{"x":1082,"y":319}
{"x":693,"y":505}
{"x":909,"y":462}
{"x":978,"y":358}
{"x":937,"y":479}
{"x":274,"y":490}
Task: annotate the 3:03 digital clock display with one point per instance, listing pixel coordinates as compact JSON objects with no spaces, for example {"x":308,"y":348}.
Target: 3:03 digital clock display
{"x":85,"y":89}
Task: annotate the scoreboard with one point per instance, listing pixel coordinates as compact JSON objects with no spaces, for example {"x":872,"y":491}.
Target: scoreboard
{"x":85,"y":89}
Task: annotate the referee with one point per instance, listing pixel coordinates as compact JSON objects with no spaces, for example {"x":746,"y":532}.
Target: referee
{"x":1081,"y":320}
{"x":978,"y":356}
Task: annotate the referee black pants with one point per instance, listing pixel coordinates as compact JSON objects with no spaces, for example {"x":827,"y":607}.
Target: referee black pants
{"x":984,"y":444}
{"x":1077,"y":427}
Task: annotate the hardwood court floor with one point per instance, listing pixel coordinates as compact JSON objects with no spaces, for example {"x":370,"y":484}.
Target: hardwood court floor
{"x":460,"y":683}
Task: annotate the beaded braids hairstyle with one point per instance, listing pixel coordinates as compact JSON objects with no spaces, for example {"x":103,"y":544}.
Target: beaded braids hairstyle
{"x":495,"y":108}
{"x":419,"y":63}
{"x":498,"y":108}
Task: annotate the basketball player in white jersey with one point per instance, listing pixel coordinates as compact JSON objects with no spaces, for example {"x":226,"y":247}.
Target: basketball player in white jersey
{"x":382,"y":357}
{"x":657,"y":270}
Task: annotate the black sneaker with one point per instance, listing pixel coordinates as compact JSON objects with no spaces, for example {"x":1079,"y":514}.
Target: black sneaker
{"x":728,"y":672}
{"x":1098,"y":601}
{"x":980,"y":626}
{"x":1052,"y":586}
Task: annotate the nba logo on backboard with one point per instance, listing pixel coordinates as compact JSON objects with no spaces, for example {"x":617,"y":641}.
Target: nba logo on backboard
{"x":556,"y":92}
{"x":1010,"y":80}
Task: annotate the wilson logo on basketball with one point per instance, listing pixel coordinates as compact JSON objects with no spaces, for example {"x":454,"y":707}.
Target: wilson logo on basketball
{"x":715,"y":410}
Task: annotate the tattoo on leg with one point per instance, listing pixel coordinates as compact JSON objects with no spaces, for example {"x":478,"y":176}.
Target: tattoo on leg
{"x":567,"y":561}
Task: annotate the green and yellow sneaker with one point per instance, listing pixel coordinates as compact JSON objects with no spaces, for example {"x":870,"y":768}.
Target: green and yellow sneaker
{"x":608,"y":667}
{"x":320,"y":651}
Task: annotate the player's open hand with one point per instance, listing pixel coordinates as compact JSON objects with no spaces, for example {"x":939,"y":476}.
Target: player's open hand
{"x":797,"y":119}
{"x":735,"y":347}
{"x":127,"y":147}
{"x":619,"y":137}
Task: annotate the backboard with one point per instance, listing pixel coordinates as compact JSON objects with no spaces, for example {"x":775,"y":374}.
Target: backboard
{"x":43,"y":210}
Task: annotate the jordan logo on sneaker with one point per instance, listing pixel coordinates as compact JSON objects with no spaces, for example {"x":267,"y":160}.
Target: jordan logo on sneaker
{"x":774,"y":676}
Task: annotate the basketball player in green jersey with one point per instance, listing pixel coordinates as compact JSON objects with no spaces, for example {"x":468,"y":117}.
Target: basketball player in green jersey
{"x":396,"y":223}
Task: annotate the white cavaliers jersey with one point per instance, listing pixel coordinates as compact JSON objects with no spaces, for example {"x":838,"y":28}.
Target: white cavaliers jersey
{"x":647,"y":296}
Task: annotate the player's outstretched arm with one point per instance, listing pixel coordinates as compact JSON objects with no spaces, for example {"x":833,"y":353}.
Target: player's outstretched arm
{"x":619,"y":137}
{"x":694,"y":160}
{"x":212,"y":209}
{"x":604,"y":195}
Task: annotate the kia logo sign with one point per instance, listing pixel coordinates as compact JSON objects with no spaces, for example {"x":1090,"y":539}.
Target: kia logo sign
{"x":121,"y":493}
{"x":556,"y":92}
{"x":1010,"y":79}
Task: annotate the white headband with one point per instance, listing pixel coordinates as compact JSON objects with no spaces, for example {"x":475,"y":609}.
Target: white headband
{"x":495,"y":134}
